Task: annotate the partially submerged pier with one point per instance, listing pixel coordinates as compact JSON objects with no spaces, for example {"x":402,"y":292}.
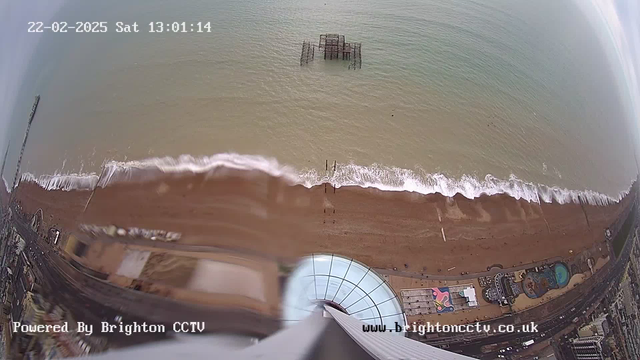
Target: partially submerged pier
{"x":333,"y":47}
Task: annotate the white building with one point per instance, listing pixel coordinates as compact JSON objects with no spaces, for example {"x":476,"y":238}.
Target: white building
{"x":470,"y":294}
{"x":598,"y":326}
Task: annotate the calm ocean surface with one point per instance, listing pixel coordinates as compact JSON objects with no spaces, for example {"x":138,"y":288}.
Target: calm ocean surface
{"x":456,"y":87}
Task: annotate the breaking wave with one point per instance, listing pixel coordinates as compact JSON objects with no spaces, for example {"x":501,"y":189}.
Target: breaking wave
{"x":150,"y":169}
{"x":396,"y":179}
{"x":375,"y":176}
{"x":64,"y":182}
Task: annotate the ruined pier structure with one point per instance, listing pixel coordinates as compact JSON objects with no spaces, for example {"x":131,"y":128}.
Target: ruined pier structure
{"x":333,"y":47}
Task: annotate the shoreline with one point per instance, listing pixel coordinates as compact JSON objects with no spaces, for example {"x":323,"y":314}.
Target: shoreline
{"x":385,"y":178}
{"x":257,"y":212}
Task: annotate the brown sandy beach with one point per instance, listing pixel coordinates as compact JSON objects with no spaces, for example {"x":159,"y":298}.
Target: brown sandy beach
{"x":262,"y":214}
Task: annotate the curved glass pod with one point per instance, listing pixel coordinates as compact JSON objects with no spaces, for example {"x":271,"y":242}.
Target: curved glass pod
{"x":344,"y":284}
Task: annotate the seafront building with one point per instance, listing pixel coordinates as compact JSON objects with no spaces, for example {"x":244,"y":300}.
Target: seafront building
{"x":588,"y":348}
{"x":24,"y":304}
{"x":625,"y":315}
{"x":597,"y":327}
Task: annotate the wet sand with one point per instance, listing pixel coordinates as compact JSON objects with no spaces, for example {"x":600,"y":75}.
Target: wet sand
{"x":258,"y":213}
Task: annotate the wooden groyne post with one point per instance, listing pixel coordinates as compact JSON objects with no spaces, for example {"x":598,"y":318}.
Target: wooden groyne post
{"x":335,"y":164}
{"x":93,"y":191}
{"x":326,"y":169}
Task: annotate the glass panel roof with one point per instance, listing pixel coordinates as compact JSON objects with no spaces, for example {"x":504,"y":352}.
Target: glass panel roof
{"x":344,"y":284}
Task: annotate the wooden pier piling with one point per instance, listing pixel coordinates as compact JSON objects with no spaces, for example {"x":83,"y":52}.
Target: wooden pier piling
{"x":356,"y":56}
{"x":307,"y":53}
{"x":333,"y":47}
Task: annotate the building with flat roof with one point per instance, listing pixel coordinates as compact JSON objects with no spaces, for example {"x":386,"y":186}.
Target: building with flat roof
{"x":588,"y":348}
{"x":470,"y":294}
{"x":598,"y":326}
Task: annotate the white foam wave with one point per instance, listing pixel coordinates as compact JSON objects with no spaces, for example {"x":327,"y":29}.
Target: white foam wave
{"x":375,"y":176}
{"x":397,"y":179}
{"x":150,"y":169}
{"x":66,"y":182}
